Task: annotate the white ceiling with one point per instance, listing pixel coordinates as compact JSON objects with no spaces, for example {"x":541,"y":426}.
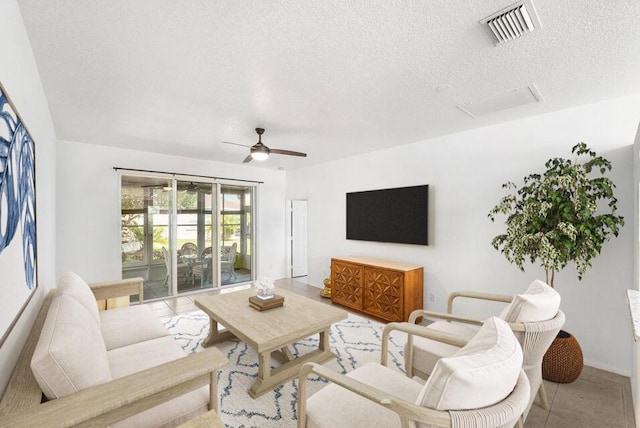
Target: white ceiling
{"x":332,"y":78}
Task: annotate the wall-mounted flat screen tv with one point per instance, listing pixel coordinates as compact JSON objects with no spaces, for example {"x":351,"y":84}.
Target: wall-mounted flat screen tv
{"x":389,"y":215}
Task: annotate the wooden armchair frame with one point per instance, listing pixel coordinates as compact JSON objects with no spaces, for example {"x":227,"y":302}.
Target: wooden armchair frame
{"x":410,"y":413}
{"x":107,"y":403}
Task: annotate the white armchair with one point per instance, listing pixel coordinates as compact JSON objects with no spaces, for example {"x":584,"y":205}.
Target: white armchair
{"x":483,"y":385}
{"x":534,"y":316}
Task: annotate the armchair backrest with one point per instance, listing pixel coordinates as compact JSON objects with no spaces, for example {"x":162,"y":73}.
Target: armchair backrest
{"x":229,"y":253}
{"x":538,"y":314}
{"x":232,"y":253}
{"x":206,"y":252}
{"x":504,"y":414}
{"x":480,"y":374}
{"x":188,"y":248}
{"x":539,"y":302}
{"x":536,"y":340}
{"x":167,"y":259}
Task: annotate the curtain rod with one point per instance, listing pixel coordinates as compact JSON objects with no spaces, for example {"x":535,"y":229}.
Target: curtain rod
{"x":117,"y":168}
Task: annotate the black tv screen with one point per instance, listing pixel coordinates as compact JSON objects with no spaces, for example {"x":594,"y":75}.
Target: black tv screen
{"x":389,"y":215}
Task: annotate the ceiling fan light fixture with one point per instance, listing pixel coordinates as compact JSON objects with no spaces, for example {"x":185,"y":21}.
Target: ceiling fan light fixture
{"x":260,"y":152}
{"x":259,"y":156}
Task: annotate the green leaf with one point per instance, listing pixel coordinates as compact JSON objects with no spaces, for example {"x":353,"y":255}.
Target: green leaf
{"x":551,"y":219}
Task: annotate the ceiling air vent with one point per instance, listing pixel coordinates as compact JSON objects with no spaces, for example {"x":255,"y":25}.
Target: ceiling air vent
{"x":512,"y":22}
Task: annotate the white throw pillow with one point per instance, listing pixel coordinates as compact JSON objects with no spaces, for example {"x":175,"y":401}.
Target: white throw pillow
{"x":538,"y":303}
{"x":480,"y":374}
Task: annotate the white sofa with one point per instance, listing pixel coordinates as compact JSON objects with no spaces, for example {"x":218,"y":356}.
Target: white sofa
{"x":81,"y":350}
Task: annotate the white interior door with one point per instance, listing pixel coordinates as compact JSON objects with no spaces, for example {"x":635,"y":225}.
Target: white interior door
{"x":298,"y":238}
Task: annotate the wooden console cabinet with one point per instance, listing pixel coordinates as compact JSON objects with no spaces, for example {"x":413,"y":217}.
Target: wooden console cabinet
{"x":383,"y":289}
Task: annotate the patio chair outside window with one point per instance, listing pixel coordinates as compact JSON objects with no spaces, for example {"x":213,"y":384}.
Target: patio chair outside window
{"x":228,"y":260}
{"x":201,"y":271}
{"x":184,"y":270}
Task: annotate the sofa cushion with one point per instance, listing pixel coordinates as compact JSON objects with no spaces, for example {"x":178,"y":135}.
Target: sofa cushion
{"x":538,"y":303}
{"x":480,"y":374}
{"x":73,"y":285}
{"x":140,"y":356}
{"x":130,"y":324}
{"x":427,"y":352}
{"x":333,"y":405}
{"x":143,"y":355}
{"x":70,"y":354}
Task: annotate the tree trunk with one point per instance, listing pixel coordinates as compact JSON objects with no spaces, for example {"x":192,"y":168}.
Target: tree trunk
{"x":551,"y":274}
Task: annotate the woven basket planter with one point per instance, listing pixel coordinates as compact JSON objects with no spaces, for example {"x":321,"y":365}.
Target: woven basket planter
{"x":563,"y":361}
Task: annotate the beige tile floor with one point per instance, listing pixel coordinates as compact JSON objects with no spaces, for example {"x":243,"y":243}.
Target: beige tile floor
{"x":597,"y":399}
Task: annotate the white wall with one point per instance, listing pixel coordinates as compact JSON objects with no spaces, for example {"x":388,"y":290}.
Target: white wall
{"x":19,"y":76}
{"x":88,"y":206}
{"x":635,"y":378}
{"x":465,"y":172}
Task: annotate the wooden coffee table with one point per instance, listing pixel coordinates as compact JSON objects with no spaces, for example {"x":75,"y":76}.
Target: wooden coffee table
{"x":271,"y":330}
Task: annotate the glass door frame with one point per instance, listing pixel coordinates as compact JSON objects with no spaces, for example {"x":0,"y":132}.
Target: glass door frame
{"x":216,"y":220}
{"x":148,"y":241}
{"x":175,"y":178}
{"x":253,"y":229}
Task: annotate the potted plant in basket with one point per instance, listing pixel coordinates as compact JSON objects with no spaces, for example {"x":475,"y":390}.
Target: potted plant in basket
{"x":563,"y":215}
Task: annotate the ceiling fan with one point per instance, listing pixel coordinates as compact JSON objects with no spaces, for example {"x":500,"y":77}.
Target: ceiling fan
{"x":261,"y":152}
{"x":191,"y":187}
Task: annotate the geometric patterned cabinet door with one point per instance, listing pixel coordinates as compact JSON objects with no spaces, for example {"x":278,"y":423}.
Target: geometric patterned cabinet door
{"x":383,"y":293}
{"x":383,"y":289}
{"x":346,"y":280}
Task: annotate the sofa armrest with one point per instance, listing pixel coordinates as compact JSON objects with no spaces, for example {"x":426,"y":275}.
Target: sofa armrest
{"x":23,"y":392}
{"x":119,"y":288}
{"x":107,"y":403}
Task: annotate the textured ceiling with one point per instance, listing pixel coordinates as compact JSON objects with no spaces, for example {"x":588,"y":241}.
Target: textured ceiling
{"x":332,"y":78}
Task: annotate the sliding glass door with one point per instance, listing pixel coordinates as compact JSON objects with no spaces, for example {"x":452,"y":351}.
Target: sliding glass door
{"x":236,"y":226}
{"x":145,"y":218}
{"x":194,"y":236}
{"x":184,"y":236}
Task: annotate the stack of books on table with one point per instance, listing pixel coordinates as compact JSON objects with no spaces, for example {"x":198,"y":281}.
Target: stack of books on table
{"x":264,"y":304}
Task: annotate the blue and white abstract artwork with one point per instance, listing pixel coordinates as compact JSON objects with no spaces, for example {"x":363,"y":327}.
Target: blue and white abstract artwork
{"x":17,"y":215}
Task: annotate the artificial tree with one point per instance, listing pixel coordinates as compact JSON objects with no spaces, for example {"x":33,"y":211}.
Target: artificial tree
{"x":562,"y":215}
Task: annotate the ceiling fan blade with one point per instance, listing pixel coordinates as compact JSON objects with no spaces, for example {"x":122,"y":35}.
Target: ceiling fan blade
{"x":235,"y":144}
{"x":287,"y":152}
{"x":247,"y":159}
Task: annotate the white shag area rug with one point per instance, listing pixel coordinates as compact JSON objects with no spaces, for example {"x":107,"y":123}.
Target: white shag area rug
{"x":355,"y":341}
